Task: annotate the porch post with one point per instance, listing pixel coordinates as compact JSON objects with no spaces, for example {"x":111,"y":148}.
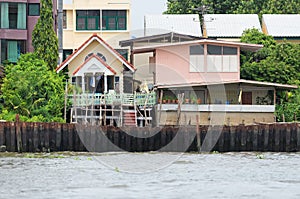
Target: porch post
{"x":274,"y":100}
{"x":83,"y":85}
{"x":105,"y":83}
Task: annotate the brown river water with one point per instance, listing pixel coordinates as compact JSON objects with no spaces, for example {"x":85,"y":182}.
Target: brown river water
{"x":150,"y":175}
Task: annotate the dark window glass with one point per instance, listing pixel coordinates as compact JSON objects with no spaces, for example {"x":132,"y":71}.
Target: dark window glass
{"x":11,"y":50}
{"x":114,"y":20}
{"x":34,"y":9}
{"x":101,"y":56}
{"x":64,"y":19}
{"x":229,"y":50}
{"x":197,"y":50}
{"x":66,"y":53}
{"x":214,"y":50}
{"x":87,"y":19}
{"x":13,"y":15}
{"x":123,"y":52}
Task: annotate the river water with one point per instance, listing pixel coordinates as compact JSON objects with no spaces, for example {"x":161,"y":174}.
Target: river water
{"x":210,"y":175}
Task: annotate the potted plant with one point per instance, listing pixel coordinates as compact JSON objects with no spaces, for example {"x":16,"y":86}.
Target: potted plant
{"x":193,"y":98}
{"x":187,"y":100}
{"x":199,"y":101}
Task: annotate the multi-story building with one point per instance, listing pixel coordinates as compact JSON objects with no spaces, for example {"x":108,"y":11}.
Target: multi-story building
{"x":110,"y":19}
{"x":17,"y":21}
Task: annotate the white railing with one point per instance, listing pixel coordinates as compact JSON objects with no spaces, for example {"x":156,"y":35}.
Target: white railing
{"x":221,"y":108}
{"x":140,"y":99}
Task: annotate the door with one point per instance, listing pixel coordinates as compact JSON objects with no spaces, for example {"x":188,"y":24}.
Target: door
{"x":247,"y":98}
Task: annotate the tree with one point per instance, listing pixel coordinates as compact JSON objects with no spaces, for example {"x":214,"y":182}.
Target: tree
{"x":254,"y":36}
{"x":278,"y":63}
{"x":235,"y":6}
{"x":44,"y":39}
{"x":215,"y":6}
{"x":32,"y":90}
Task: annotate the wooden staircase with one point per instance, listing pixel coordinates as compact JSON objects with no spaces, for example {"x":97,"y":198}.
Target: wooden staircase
{"x":129,"y":118}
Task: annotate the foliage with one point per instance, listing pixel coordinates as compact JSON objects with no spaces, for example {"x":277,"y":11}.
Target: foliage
{"x":278,"y":63}
{"x":289,"y":107}
{"x":235,"y":6}
{"x":32,"y":90}
{"x":44,"y":39}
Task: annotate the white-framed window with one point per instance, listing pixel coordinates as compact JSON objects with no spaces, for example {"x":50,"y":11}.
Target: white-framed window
{"x":197,"y":58}
{"x":213,"y":58}
{"x":222,"y":59}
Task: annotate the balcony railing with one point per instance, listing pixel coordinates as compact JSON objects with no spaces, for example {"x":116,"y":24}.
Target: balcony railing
{"x":220,"y":108}
{"x":88,"y":99}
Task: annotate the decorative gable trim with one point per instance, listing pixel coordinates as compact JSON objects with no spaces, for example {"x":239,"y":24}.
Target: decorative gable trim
{"x":87,"y":43}
{"x":89,"y":59}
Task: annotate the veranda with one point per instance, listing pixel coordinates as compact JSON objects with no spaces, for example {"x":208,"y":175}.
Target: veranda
{"x":124,"y":109}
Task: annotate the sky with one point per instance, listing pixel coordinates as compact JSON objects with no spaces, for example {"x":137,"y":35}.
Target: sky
{"x":139,"y":8}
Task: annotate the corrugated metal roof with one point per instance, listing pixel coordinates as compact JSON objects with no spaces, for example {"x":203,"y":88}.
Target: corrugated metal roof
{"x":188,"y":24}
{"x":230,"y":25}
{"x":282,"y":25}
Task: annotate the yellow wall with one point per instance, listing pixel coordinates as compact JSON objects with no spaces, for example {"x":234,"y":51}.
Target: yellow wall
{"x":95,"y":47}
{"x":72,"y":39}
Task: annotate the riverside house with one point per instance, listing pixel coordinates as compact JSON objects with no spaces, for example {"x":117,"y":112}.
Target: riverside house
{"x":102,"y":82}
{"x":204,"y":75}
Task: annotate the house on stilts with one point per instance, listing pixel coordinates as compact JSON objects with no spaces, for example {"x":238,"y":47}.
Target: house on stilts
{"x":102,"y":91}
{"x":201,"y":77}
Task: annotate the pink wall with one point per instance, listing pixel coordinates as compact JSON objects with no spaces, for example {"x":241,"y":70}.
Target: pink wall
{"x":31,"y":21}
{"x":172,"y":67}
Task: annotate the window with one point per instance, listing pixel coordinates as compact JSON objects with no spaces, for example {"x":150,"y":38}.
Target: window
{"x":218,"y":58}
{"x":98,"y":55}
{"x":123,"y":52}
{"x":222,"y":59}
{"x":33,"y":9}
{"x":11,"y":50}
{"x":197,"y":58}
{"x":64,"y":19}
{"x":114,"y":20}
{"x":87,"y":19}
{"x":66,"y":53}
{"x":13,"y":15}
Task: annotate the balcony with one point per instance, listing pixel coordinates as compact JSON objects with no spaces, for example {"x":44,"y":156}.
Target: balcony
{"x":220,"y":108}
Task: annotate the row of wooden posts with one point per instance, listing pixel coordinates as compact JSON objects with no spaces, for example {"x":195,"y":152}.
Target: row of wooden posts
{"x":48,"y":137}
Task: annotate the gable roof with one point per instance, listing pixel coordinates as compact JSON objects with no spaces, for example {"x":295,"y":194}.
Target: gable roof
{"x":188,"y":24}
{"x":230,"y":25}
{"x":95,"y":37}
{"x":282,"y":25}
{"x":99,"y":59}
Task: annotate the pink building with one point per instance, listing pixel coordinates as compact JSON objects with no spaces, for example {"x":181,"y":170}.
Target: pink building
{"x":17,"y":21}
{"x":204,"y":75}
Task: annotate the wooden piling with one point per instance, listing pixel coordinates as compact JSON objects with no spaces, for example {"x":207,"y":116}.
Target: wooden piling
{"x":198,"y":134}
{"x":44,"y":137}
{"x":2,"y":134}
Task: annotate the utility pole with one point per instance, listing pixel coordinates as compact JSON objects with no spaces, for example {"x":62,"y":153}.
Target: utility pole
{"x":202,"y":10}
{"x":60,"y":30}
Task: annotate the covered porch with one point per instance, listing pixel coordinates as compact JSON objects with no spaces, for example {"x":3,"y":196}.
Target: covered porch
{"x":240,"y":102}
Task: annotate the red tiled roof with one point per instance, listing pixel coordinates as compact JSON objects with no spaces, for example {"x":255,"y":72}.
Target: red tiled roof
{"x":98,"y":58}
{"x":94,"y":36}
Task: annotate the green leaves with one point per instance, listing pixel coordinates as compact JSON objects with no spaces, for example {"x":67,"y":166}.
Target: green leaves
{"x":32,"y":90}
{"x":278,"y":63}
{"x":235,"y":6}
{"x":44,"y":39}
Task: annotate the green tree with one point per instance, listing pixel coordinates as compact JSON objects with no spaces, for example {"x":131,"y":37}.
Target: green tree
{"x":235,"y":6}
{"x":32,"y":90}
{"x":44,"y":39}
{"x":254,"y":36}
{"x":189,"y":6}
{"x":278,"y":63}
